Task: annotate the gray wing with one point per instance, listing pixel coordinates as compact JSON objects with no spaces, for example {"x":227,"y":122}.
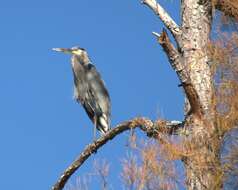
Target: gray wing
{"x":98,"y":91}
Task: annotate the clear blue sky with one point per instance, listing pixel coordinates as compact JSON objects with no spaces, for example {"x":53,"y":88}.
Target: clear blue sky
{"x":42,"y":128}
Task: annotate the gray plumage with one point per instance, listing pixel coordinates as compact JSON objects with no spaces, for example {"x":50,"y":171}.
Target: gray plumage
{"x":89,"y":88}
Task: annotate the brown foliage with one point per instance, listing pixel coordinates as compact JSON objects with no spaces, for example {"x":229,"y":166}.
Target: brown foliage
{"x":224,"y":55}
{"x":224,"y":59}
{"x":149,"y":166}
{"x":100,"y":171}
{"x":228,"y":7}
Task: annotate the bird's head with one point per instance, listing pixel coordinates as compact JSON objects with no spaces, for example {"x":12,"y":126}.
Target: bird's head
{"x":74,"y":51}
{"x":78,"y":53}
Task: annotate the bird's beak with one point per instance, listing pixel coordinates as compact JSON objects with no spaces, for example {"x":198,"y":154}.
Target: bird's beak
{"x":64,"y":50}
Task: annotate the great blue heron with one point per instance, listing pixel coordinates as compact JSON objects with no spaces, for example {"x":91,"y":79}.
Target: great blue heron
{"x":89,"y":88}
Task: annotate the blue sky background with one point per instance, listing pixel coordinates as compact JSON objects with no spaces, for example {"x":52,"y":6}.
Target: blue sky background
{"x":42,"y":128}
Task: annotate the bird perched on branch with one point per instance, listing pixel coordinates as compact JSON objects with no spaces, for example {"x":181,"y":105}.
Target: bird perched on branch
{"x":89,"y":88}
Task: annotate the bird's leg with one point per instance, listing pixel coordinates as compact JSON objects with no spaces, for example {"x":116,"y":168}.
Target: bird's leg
{"x":94,"y":133}
{"x":94,"y":129}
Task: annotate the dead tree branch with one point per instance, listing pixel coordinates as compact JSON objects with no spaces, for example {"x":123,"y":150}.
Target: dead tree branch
{"x":173,"y":56}
{"x":150,"y":128}
{"x":176,"y":63}
{"x":165,"y":18}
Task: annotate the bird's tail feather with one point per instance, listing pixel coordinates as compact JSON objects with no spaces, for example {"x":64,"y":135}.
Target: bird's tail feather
{"x":103,"y":125}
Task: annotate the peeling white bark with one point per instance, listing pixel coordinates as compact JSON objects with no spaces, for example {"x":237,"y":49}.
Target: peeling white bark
{"x":196,"y":26}
{"x":165,"y":18}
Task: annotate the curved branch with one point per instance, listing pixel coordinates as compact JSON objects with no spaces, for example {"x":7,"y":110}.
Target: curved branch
{"x":173,"y":55}
{"x":151,"y":129}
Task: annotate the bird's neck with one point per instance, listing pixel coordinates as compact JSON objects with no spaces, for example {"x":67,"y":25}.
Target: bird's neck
{"x":84,"y":59}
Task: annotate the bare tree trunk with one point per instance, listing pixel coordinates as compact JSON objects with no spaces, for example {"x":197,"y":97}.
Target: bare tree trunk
{"x":196,"y":26}
{"x":202,"y":160}
{"x":202,"y":167}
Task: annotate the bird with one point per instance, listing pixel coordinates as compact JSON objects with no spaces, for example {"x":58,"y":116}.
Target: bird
{"x":89,"y":89}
